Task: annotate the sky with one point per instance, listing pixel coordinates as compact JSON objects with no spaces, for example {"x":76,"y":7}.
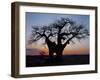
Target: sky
{"x":32,"y":19}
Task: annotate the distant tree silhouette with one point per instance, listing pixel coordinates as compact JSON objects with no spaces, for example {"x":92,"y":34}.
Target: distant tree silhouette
{"x":59,"y":34}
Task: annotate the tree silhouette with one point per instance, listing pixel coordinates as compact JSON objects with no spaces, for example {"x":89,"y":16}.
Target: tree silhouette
{"x":59,"y":34}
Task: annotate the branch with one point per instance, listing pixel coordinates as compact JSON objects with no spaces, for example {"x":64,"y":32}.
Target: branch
{"x":67,"y":42}
{"x":78,"y":35}
{"x":67,"y":34}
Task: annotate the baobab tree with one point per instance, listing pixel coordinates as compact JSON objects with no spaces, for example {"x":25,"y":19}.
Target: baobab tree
{"x":59,"y":34}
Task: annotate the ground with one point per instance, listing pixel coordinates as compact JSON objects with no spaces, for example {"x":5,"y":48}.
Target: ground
{"x":43,"y":60}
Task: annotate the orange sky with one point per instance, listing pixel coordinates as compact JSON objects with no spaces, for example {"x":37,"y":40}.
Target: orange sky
{"x":70,"y":49}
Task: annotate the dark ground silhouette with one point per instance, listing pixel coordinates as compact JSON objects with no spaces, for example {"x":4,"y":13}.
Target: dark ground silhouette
{"x":43,"y":60}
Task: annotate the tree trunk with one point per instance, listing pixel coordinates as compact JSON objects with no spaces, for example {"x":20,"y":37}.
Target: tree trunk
{"x":59,"y":51}
{"x":50,"y":53}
